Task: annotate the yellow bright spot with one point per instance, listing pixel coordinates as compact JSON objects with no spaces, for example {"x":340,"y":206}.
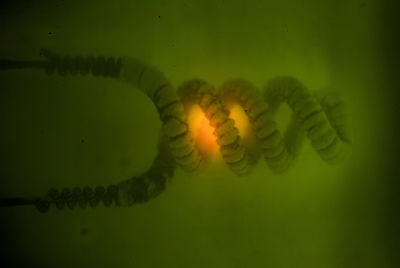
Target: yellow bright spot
{"x":200,"y":127}
{"x":241,"y":119}
{"x":204,"y":133}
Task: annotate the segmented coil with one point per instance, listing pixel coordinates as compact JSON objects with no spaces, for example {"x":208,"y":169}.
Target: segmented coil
{"x":71,"y":198}
{"x":322,"y":119}
{"x":97,"y":66}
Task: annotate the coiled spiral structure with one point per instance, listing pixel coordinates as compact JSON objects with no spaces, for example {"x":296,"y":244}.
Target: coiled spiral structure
{"x":322,"y":119}
{"x":77,"y":196}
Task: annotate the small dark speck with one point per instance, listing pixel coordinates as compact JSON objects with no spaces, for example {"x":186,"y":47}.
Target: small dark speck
{"x":245,"y":111}
{"x":82,"y":140}
{"x":159,"y":17}
{"x":50,"y":33}
{"x":84,"y":231}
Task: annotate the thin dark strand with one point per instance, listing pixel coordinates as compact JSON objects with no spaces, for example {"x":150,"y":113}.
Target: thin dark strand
{"x":15,"y":201}
{"x":14,"y":64}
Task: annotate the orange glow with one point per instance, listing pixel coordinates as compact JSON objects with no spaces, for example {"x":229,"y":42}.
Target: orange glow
{"x":203,"y":132}
{"x":241,"y":119}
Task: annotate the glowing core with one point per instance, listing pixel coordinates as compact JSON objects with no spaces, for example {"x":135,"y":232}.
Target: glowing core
{"x":240,"y":118}
{"x":203,"y":132}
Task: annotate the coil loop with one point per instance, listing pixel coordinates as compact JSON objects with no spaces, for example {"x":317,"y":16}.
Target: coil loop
{"x":231,"y":147}
{"x":322,"y":120}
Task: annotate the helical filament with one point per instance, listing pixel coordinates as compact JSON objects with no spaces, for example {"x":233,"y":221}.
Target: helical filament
{"x":323,"y":119}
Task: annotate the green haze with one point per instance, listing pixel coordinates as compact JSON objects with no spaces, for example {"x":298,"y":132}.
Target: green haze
{"x":84,"y":130}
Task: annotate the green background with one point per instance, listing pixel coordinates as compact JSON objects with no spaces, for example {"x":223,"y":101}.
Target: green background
{"x":78,"y":131}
